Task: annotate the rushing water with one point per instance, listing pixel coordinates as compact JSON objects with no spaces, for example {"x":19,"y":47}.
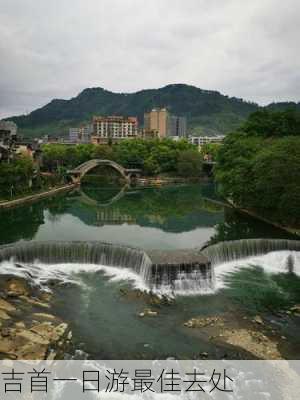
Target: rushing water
{"x":253,"y":265}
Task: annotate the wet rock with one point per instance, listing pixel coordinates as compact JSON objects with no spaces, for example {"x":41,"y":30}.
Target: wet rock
{"x":253,"y":342}
{"x":6,"y":306}
{"x":44,"y":316}
{"x":5,"y":332}
{"x":148,"y":313}
{"x":204,"y":322}
{"x":6,"y":345}
{"x":35,"y":302}
{"x":203,"y":355}
{"x":148,"y":297}
{"x":45,"y":297}
{"x":32,"y":351}
{"x":258,"y":320}
{"x":20,"y":325}
{"x":50,"y":332}
{"x":33,"y":337}
{"x":45,"y":337}
{"x":16,"y":287}
{"x":61,"y":330}
{"x":4,"y":316}
{"x":52,"y":355}
{"x":295,"y":309}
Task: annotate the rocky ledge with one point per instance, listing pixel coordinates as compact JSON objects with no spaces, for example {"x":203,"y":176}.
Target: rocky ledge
{"x":28,"y":329}
{"x":255,"y":335}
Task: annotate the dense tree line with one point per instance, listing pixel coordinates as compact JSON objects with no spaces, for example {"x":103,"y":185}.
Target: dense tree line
{"x":15,"y":177}
{"x":152,"y":156}
{"x":258,"y":166}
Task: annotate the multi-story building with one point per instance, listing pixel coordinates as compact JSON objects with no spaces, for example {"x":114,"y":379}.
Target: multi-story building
{"x":8,"y":137}
{"x":157,"y":122}
{"x":160,"y":123}
{"x":81,"y":134}
{"x":177,"y":126}
{"x":8,"y":132}
{"x":114,"y":129}
{"x":201,"y":140}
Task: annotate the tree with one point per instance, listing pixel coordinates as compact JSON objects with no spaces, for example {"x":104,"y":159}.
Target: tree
{"x":151,"y":166}
{"x":189,"y":163}
{"x":210,"y":149}
{"x":273,"y":124}
{"x":277,"y":179}
{"x":16,"y":176}
{"x":258,"y":167}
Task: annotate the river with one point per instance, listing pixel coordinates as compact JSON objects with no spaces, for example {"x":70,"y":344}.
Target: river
{"x":166,"y":218}
{"x":102,"y":308}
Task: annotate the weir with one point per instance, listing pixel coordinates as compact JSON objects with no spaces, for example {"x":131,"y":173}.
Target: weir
{"x":166,"y":271}
{"x":240,"y":249}
{"x":187,"y":269}
{"x":182,"y":271}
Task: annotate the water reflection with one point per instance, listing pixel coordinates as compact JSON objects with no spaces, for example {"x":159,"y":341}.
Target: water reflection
{"x":168,"y":217}
{"x":172,"y":209}
{"x":102,"y":198}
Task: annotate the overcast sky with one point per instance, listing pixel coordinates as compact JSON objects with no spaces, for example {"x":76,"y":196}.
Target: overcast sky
{"x":56,"y":48}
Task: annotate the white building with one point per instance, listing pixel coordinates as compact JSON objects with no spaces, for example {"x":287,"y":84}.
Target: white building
{"x":202,"y":140}
{"x":81,"y":134}
{"x":114,"y":128}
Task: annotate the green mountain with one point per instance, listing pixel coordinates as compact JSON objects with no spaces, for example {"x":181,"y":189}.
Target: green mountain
{"x":208,"y":112}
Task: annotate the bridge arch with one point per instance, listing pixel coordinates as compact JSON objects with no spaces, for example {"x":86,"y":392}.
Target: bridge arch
{"x":79,"y":172}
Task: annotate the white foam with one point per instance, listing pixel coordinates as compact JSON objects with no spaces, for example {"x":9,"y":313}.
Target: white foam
{"x":40,"y":274}
{"x":273,"y":263}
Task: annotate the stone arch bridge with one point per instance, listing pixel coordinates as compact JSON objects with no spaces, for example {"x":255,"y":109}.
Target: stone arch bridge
{"x":78,"y":173}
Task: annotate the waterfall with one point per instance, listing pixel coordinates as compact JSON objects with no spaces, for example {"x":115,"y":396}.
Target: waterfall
{"x":79,"y":252}
{"x":182,"y":279}
{"x":167,"y":272}
{"x":239,"y":249}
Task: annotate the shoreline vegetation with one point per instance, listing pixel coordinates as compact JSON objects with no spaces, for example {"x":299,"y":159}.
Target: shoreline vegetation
{"x":258,"y":168}
{"x":36,"y":196}
{"x":253,"y":214}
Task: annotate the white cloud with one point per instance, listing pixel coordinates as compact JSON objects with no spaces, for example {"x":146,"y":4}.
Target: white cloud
{"x":57,"y":48}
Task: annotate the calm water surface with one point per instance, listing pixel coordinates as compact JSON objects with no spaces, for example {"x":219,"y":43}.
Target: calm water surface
{"x":165,"y":218}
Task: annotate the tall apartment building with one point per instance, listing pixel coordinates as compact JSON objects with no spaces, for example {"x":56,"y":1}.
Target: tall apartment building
{"x":113,"y":128}
{"x":157,"y":122}
{"x":163,"y":124}
{"x":177,"y":126}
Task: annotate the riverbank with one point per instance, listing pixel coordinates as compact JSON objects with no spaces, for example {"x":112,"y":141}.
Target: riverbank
{"x":31,"y":326}
{"x":253,"y":214}
{"x":36,"y":196}
{"x":29,"y":330}
{"x":228,"y":203}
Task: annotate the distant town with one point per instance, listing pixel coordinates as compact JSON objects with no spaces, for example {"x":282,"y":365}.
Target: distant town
{"x":159,"y":123}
